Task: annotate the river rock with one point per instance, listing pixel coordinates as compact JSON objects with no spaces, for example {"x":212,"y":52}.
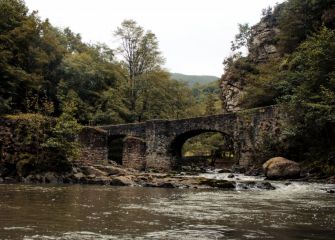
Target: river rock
{"x":121,"y":181}
{"x":218,"y":183}
{"x":331,"y":180}
{"x":90,"y":170}
{"x":10,"y":180}
{"x":112,"y":170}
{"x":224,"y":170}
{"x":247,"y":184}
{"x":231,"y":176}
{"x":159,"y":184}
{"x":258,"y":185}
{"x":238,"y":169}
{"x":99,"y":181}
{"x":281,"y":168}
{"x":166,"y":185}
{"x":50,"y":177}
{"x":265,"y":186}
{"x":79,"y":175}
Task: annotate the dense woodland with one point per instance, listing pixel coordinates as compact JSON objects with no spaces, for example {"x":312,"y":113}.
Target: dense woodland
{"x":51,"y":73}
{"x":44,"y":67}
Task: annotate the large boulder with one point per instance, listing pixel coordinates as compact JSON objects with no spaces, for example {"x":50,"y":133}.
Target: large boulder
{"x":281,"y":168}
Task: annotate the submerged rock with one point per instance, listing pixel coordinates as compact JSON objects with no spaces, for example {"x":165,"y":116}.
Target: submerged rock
{"x":160,"y":185}
{"x":10,"y":180}
{"x":246,"y":184}
{"x":225,"y":170}
{"x":99,"y":181}
{"x":265,"y":186}
{"x":223,"y":184}
{"x":231,"y":176}
{"x":238,"y":169}
{"x":281,"y":168}
{"x":256,"y":185}
{"x":50,"y":177}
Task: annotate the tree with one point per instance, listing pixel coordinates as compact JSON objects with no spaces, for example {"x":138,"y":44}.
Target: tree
{"x":210,"y":104}
{"x":242,"y":38}
{"x":140,"y":55}
{"x":29,"y":55}
{"x":299,"y":19}
{"x":309,"y":98}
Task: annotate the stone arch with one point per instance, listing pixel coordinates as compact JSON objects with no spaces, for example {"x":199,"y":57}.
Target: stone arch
{"x":115,"y":145}
{"x":176,"y":145}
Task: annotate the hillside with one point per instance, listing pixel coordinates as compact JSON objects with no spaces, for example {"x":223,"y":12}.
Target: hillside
{"x":193,"y":79}
{"x":290,"y":63}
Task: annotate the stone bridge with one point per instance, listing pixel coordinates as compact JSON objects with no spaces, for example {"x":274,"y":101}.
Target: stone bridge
{"x":157,"y":144}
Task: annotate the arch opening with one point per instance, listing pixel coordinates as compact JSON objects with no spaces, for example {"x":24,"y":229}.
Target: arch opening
{"x":203,"y":149}
{"x":115,"y":148}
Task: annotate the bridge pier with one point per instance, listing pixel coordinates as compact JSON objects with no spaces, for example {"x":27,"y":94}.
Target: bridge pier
{"x":157,"y":152}
{"x":134,"y":153}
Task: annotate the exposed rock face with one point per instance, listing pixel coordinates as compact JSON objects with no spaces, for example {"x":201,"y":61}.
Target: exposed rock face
{"x":281,"y":168}
{"x":262,"y":47}
{"x":232,"y":91}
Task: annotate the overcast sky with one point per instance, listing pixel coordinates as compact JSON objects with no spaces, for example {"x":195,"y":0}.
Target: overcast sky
{"x":194,"y":35}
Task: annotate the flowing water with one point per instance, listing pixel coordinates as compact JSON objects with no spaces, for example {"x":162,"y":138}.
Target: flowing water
{"x":296,"y":211}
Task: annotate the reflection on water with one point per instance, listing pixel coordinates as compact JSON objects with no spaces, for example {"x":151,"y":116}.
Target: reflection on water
{"x":297,"y":211}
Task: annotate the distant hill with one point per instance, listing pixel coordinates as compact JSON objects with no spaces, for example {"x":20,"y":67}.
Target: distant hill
{"x":193,"y":79}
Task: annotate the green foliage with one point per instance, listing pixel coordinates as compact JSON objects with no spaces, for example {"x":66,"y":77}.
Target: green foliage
{"x":141,"y":57}
{"x":191,"y":80}
{"x":210,"y":105}
{"x":42,"y":67}
{"x":214,"y":146}
{"x":29,"y":55}
{"x":242,"y":39}
{"x":298,"y":19}
{"x":311,"y":96}
{"x":62,"y":139}
{"x":207,"y":99}
{"x":33,"y":151}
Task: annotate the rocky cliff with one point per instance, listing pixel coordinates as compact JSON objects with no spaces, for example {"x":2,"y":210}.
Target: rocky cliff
{"x":261,"y":48}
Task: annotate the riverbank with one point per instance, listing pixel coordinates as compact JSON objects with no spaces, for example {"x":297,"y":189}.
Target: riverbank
{"x":116,"y":175}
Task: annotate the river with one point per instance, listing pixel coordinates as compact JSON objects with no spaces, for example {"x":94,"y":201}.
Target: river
{"x":295,"y":211}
